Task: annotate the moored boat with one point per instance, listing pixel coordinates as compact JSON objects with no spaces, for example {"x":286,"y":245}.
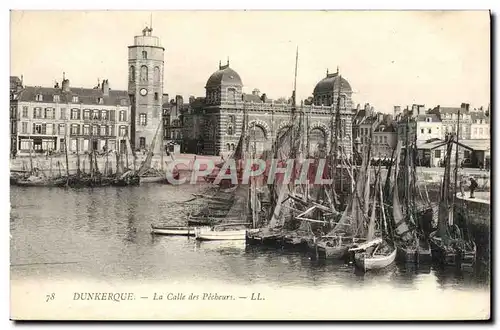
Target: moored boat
{"x":173,"y":230}
{"x":374,"y":255}
{"x":222,"y":232}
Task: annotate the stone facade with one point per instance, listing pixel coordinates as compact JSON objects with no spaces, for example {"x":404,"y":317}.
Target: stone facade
{"x":145,"y":88}
{"x":214,"y":124}
{"x":83,"y":119}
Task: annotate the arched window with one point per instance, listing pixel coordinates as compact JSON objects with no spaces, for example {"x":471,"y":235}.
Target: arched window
{"x":144,"y":73}
{"x":144,"y":54}
{"x":342,"y":101}
{"x":228,"y":147}
{"x":231,"y":95}
{"x":232,"y":146}
{"x":131,"y":73}
{"x":156,"y":74}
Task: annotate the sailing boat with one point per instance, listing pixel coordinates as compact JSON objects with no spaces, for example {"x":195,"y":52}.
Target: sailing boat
{"x":410,"y":235}
{"x":349,"y":230}
{"x":449,"y":243}
{"x":282,"y":201}
{"x":230,"y":227}
{"x":377,"y":252}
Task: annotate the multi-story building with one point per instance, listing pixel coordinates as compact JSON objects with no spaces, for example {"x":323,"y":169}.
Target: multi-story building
{"x":219,"y":116}
{"x":81,"y":119}
{"x":385,"y":137}
{"x":173,"y":122}
{"x":145,"y":89}
{"x":450,"y":120}
{"x":16,"y":86}
{"x":480,"y":125}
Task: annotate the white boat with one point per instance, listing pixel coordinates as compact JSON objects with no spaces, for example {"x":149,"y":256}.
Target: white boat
{"x":224,"y":232}
{"x":173,"y":230}
{"x":377,"y":255}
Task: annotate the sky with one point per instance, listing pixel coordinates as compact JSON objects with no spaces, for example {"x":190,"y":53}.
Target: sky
{"x":389,"y":58}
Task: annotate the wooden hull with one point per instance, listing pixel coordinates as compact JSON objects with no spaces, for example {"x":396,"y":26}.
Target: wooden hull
{"x":265,"y":238}
{"x":374,"y":262}
{"x":327,"y":249}
{"x":42,"y":183}
{"x":453,"y":255}
{"x":226,"y":235}
{"x":173,"y":230}
{"x":414,"y":254}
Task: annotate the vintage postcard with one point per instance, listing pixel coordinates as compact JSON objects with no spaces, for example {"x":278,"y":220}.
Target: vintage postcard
{"x":250,"y":165}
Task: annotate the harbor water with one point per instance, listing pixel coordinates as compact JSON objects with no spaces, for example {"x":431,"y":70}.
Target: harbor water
{"x":104,"y":235}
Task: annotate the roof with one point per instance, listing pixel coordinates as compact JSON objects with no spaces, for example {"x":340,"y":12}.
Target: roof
{"x":433,"y":116}
{"x":475,"y":145}
{"x":430,"y":144}
{"x":448,"y":109}
{"x":85,"y":95}
{"x":14,"y":82}
{"x":385,"y":127}
{"x":330,"y":84}
{"x":479,"y":115}
{"x":225,"y":75}
{"x":251,"y":98}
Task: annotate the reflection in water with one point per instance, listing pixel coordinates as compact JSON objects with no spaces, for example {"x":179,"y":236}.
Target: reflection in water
{"x":105,"y":234}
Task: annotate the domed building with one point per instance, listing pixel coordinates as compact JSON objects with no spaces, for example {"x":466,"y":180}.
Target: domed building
{"x":223,"y":87}
{"x":218,"y":118}
{"x":223,"y":99}
{"x":327,"y":89}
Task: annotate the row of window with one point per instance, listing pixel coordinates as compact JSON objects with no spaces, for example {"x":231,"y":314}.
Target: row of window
{"x":75,"y":114}
{"x":144,"y":74}
{"x":60,"y":129}
{"x":328,"y":100}
{"x":75,"y":99}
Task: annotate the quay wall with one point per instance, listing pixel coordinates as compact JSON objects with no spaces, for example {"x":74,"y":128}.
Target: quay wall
{"x":429,"y":176}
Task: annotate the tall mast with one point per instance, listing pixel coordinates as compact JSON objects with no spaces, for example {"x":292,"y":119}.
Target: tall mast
{"x":456,"y":166}
{"x":335,"y":130}
{"x":66,"y":154}
{"x":162,"y":144}
{"x":294,"y":106}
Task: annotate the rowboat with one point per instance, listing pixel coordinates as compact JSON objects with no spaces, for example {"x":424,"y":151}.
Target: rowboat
{"x":173,"y":230}
{"x":335,"y":247}
{"x":39,"y":182}
{"x":375,"y":254}
{"x":233,"y":231}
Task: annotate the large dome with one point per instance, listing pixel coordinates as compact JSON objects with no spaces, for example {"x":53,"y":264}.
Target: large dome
{"x":330,"y":84}
{"x":225,"y":75}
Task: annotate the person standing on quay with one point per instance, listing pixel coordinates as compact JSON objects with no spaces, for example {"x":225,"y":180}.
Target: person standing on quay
{"x":473,"y":186}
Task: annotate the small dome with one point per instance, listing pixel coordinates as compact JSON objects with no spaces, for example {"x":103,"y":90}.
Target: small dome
{"x":225,"y":75}
{"x":330,"y":83}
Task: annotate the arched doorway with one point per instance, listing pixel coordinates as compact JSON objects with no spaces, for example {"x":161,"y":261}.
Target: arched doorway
{"x":258,"y":138}
{"x":317,"y":142}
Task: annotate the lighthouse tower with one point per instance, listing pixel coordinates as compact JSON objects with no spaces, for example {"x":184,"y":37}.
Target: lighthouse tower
{"x":145,"y":89}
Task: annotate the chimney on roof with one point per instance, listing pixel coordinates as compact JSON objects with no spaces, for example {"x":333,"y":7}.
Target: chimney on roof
{"x":380,"y":117}
{"x":105,"y":87}
{"x":421,"y":109}
{"x":465,"y":107}
{"x":191,"y":99}
{"x":264,"y":97}
{"x":65,"y":86}
{"x":164,"y":98}
{"x":179,"y":100}
{"x":397,"y":110}
{"x":256,"y":91}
